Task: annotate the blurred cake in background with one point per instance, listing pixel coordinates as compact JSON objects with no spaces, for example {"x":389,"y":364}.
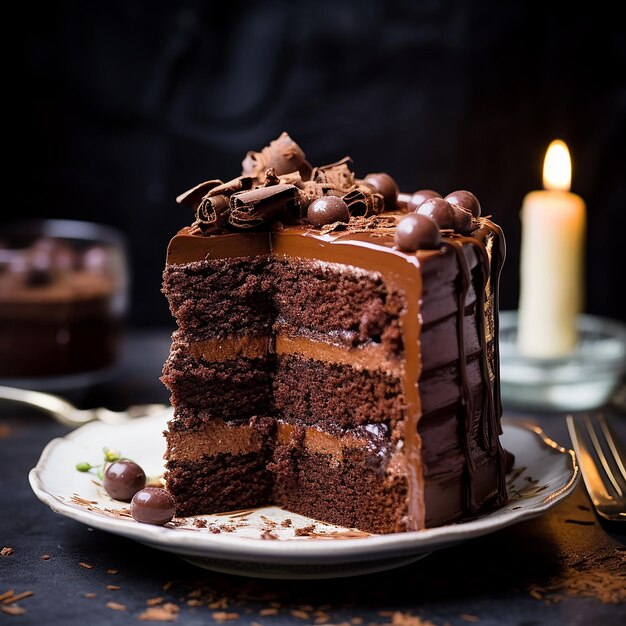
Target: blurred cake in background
{"x":62,"y":298}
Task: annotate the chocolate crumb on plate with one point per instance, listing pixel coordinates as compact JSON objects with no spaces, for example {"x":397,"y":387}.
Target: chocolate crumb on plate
{"x":304,"y":531}
{"x":45,"y":557}
{"x":6,"y":551}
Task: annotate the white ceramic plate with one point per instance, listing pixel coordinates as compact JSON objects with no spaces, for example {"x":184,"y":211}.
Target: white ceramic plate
{"x":545,"y":474}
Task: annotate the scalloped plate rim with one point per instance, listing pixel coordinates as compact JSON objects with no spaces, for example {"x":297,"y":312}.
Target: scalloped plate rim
{"x":229,"y":546}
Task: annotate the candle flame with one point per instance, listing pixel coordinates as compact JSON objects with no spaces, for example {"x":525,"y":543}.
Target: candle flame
{"x":557,"y":167}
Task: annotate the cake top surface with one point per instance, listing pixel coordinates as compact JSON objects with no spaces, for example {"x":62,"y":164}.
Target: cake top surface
{"x":279,"y":191}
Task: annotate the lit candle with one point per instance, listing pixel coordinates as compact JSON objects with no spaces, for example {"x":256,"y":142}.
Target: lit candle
{"x":551,"y":268}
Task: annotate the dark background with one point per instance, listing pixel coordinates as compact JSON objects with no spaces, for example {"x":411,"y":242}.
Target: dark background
{"x":118,"y":107}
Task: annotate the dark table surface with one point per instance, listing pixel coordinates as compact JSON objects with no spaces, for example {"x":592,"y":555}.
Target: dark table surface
{"x":564,"y":567}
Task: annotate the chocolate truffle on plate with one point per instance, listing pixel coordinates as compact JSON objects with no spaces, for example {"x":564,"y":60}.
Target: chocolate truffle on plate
{"x":152,"y":505}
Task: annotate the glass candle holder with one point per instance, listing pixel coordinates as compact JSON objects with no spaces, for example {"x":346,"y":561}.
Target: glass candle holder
{"x":582,"y":380}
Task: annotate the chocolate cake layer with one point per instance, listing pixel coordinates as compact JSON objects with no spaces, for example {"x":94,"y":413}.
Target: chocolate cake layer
{"x":242,"y":386}
{"x":301,"y":393}
{"x":220,"y":298}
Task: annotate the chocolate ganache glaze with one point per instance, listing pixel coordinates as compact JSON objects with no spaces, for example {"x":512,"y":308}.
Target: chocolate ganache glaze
{"x":263,"y":212}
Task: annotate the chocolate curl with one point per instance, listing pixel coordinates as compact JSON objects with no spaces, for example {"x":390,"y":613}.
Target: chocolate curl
{"x":241,"y":183}
{"x":282,"y":154}
{"x":363,"y":201}
{"x":193,"y":196}
{"x":335,"y":175}
{"x":212,"y":212}
{"x":250,"y":209}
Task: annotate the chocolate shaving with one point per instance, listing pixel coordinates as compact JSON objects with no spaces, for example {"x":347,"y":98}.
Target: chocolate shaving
{"x":193,"y":196}
{"x":335,"y":175}
{"x":364,"y":202}
{"x":283,"y":154}
{"x":250,"y":209}
{"x":361,"y":224}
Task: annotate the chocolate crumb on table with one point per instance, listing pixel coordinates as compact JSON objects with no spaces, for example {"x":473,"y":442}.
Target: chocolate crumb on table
{"x":112,"y":571}
{"x":89,"y":595}
{"x":45,"y":557}
{"x":9,"y":600}
{"x":113,"y":587}
{"x":13,"y":610}
{"x":223,"y":616}
{"x":116,"y":606}
{"x":86,"y":565}
{"x":6,"y":551}
{"x":167,"y":612}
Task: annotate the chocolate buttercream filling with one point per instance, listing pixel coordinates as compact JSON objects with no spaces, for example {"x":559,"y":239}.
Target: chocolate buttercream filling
{"x":215,"y":437}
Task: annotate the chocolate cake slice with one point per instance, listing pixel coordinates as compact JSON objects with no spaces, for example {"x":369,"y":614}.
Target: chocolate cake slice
{"x":336,"y":351}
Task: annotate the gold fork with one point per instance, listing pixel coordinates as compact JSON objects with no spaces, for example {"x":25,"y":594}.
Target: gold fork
{"x":603,"y":464}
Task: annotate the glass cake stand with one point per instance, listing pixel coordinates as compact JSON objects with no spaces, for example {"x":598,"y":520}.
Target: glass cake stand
{"x":584,"y":380}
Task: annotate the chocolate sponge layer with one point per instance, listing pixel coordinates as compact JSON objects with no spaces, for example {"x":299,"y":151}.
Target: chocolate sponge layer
{"x":232,"y":389}
{"x":312,"y":392}
{"x":220,"y":298}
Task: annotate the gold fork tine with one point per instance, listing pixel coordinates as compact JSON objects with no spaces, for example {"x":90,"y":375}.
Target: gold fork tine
{"x":593,"y":480}
{"x":612,"y":443}
{"x":600,"y":452}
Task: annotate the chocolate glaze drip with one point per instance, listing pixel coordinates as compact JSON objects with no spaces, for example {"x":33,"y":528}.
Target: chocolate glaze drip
{"x":491,"y":408}
{"x":466,"y":392}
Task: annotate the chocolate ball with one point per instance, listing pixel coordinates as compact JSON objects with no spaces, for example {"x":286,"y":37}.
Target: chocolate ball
{"x":153,"y":505}
{"x":417,"y":232}
{"x":123,"y":479}
{"x":421,"y":196}
{"x":327,"y":210}
{"x":462,"y":219}
{"x":386,"y":186}
{"x":438,"y":210}
{"x":466,"y":199}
